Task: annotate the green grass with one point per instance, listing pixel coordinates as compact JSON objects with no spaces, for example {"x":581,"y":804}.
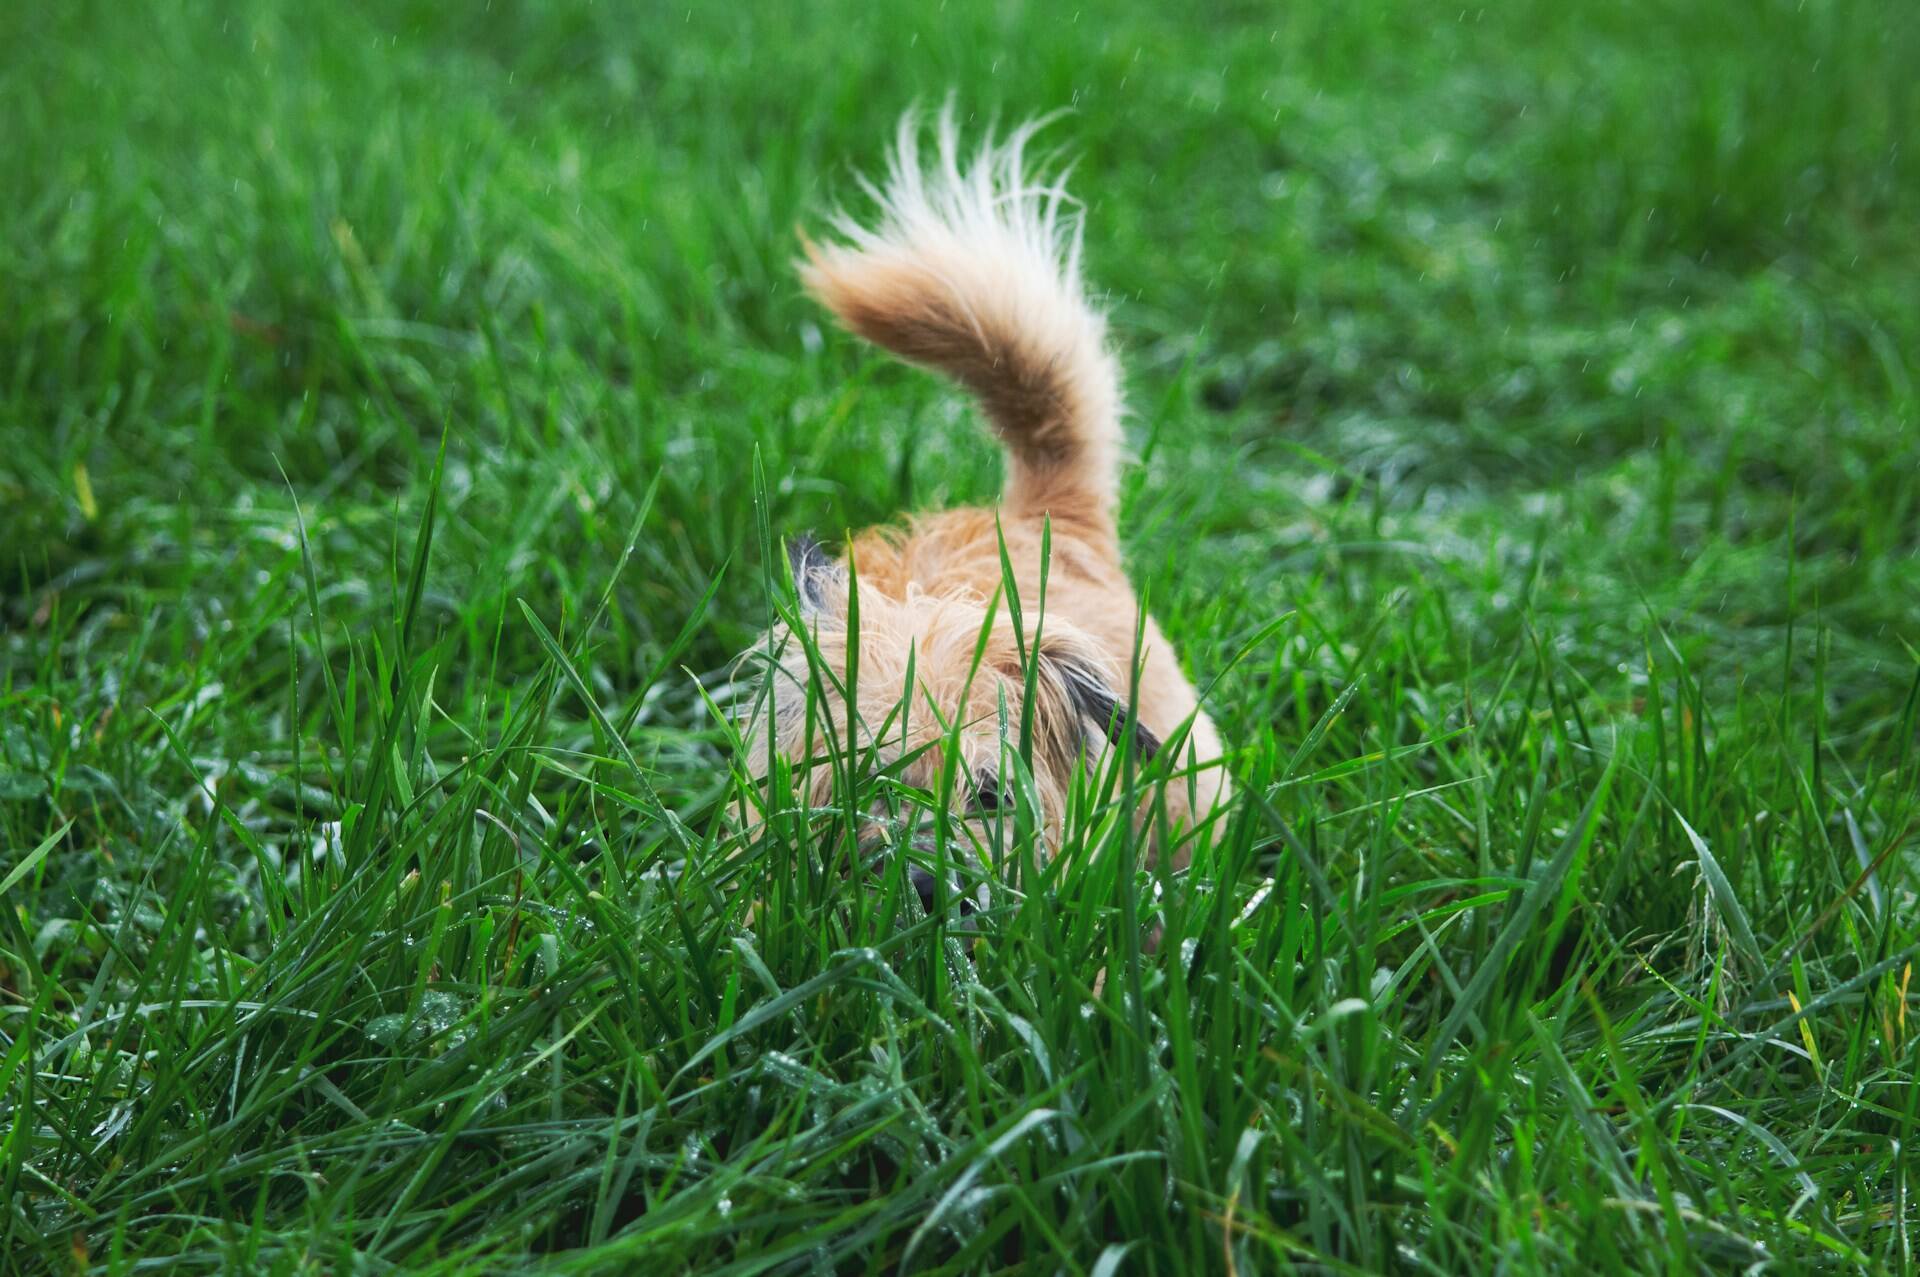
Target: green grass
{"x":1526,"y":394}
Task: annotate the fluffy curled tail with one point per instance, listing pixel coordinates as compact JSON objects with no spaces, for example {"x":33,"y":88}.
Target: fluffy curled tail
{"x":973,"y":269}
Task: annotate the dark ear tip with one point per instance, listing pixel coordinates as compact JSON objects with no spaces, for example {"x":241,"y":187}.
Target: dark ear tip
{"x":811,"y":569}
{"x":1145,"y":743}
{"x":1097,"y":701}
{"x":803,"y":552}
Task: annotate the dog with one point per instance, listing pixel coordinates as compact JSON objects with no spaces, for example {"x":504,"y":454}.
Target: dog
{"x":971,"y":268}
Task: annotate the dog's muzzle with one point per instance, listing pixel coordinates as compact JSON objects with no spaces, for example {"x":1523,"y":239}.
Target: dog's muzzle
{"x":967,"y":879}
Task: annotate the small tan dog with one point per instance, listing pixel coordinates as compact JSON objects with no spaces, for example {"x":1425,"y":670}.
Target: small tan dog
{"x":972,"y":270}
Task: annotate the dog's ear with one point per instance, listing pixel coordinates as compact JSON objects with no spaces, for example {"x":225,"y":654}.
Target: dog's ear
{"x":1093,"y":697}
{"x":814,"y":574}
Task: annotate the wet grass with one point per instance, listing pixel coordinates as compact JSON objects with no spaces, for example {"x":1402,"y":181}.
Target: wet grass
{"x":399,"y":408}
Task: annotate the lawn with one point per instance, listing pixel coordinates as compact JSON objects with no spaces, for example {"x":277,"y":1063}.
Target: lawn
{"x":401,"y":406}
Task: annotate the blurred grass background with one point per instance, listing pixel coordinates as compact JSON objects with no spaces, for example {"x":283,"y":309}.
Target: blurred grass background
{"x":1550,"y":364}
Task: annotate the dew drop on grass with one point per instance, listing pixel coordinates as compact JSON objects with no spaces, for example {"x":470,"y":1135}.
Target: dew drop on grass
{"x":440,"y":1011}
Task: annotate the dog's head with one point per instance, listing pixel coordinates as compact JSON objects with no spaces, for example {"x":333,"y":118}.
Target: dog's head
{"x":910,"y":681}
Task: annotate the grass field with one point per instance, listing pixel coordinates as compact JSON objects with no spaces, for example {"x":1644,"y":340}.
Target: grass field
{"x":399,"y":402}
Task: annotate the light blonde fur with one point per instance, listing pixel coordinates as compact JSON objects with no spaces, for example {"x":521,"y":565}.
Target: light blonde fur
{"x":971,"y":268}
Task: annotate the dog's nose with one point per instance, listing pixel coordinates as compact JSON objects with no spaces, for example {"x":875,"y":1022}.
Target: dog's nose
{"x":877,"y":842}
{"x":927,"y":887}
{"x":923,"y":884}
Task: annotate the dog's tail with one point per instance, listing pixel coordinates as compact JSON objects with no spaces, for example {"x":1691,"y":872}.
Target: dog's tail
{"x":973,"y":269}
